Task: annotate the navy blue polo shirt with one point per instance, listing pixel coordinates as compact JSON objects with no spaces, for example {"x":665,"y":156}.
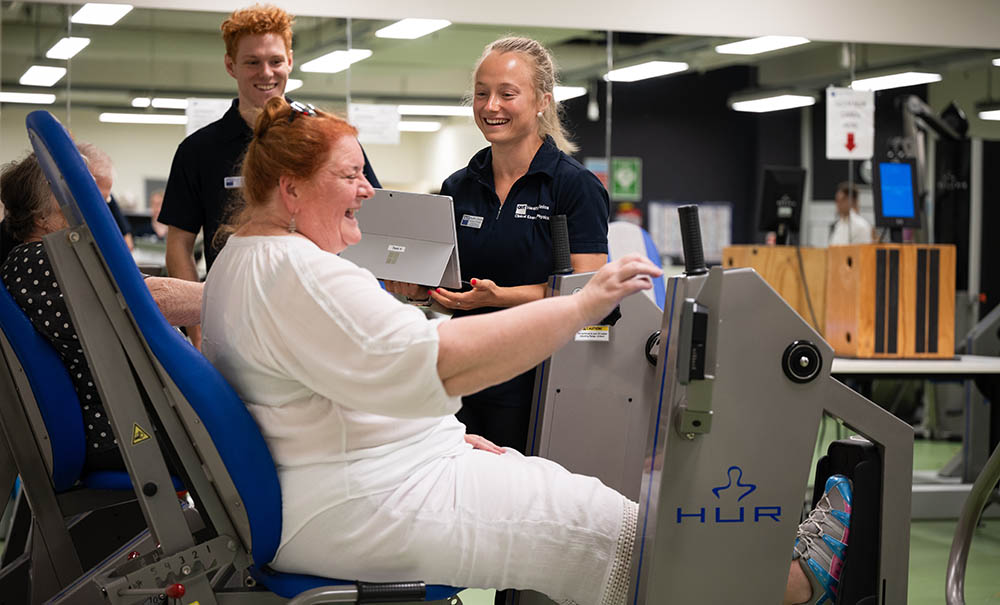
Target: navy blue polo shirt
{"x":205,"y":179}
{"x":510,"y":243}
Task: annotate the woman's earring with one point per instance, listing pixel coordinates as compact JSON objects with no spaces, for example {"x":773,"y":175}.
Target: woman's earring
{"x":539,"y":114}
{"x":291,"y":225}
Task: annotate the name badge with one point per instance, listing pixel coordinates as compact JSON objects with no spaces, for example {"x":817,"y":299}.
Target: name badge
{"x":521,"y":211}
{"x":233,"y":182}
{"x":474,"y":222}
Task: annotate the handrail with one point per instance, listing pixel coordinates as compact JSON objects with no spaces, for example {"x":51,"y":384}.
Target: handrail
{"x":978,"y":498}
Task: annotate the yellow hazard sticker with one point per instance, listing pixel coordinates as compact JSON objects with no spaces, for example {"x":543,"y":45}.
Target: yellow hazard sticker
{"x":594,"y":334}
{"x":138,"y":434}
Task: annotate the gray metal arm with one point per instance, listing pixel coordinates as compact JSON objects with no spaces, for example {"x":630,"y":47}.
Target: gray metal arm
{"x":978,"y":499}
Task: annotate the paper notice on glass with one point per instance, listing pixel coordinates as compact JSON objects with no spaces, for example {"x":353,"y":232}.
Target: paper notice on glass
{"x":202,"y":112}
{"x":850,"y":124}
{"x":376,"y":124}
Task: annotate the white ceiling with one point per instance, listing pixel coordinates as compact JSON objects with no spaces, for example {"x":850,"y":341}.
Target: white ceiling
{"x":154,"y":52}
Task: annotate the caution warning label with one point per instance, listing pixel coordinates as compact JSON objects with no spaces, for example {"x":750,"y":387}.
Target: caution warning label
{"x":138,"y":434}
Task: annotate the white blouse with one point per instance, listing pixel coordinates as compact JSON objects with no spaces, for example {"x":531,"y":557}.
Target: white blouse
{"x":340,"y":376}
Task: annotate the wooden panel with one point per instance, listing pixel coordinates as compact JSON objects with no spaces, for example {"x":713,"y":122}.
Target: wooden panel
{"x":854,"y":295}
{"x":779,"y":266}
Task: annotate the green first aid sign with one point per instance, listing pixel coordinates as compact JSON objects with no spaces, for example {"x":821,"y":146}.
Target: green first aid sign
{"x":626,"y":179}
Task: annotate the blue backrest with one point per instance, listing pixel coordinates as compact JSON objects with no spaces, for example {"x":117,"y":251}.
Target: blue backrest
{"x":234,"y":432}
{"x":53,"y":391}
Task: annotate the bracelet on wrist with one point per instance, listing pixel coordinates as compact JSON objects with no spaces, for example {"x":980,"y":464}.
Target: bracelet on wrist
{"x":419,"y":302}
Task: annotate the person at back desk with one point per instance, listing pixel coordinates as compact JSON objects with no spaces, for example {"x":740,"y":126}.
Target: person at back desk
{"x":850,"y":227}
{"x":503,"y":201}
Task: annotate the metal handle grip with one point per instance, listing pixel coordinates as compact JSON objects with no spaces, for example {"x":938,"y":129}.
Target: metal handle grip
{"x":561,"y":262}
{"x":694,"y":253}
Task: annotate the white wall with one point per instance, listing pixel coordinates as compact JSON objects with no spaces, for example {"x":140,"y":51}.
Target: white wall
{"x":138,"y":151}
{"x":419,"y":163}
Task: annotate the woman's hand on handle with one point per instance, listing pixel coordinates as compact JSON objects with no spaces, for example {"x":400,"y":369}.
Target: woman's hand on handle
{"x":613,"y":282}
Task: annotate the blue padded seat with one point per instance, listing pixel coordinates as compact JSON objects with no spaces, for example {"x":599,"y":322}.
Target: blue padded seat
{"x":233,"y":430}
{"x":57,"y":403}
{"x":53,"y":391}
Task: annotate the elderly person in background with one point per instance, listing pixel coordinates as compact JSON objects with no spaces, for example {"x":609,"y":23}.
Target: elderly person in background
{"x":32,"y":212}
{"x":355,"y":394}
{"x":103,"y":171}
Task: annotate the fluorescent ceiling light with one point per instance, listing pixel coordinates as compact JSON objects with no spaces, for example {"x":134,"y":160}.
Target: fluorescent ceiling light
{"x":775,"y":103}
{"x":409,"y":29}
{"x":67,"y":48}
{"x":563,"y":93}
{"x":909,"y":78}
{"x":168,"y":103}
{"x":337,"y":61}
{"x":293,"y":84}
{"x":990,"y":115}
{"x":159,"y":103}
{"x":42,"y":75}
{"x":764,"y":44}
{"x":435,"y":110}
{"x":142,"y":118}
{"x":996,"y":62}
{"x":94,"y":13}
{"x":27,"y":97}
{"x":650,"y":69}
{"x":416,"y":126}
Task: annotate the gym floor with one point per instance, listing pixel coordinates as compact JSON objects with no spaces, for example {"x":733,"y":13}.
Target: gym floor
{"x":930,"y":543}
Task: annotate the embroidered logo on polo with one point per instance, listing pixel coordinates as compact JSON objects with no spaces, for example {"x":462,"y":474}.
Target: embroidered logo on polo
{"x":527,"y":211}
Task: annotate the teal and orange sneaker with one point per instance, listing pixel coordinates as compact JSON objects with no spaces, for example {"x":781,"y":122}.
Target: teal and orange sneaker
{"x":821,"y":543}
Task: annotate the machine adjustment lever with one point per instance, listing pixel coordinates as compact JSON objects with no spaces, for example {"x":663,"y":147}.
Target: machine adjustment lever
{"x":693,"y":338}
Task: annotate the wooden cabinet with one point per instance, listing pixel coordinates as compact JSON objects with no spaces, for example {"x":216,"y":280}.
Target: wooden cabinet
{"x":891,"y":300}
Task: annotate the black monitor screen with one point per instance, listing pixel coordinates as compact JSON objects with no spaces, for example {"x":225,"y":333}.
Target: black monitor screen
{"x":896,"y":194}
{"x":781,"y":193}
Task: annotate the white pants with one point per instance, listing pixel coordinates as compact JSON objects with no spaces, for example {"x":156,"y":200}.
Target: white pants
{"x":477,"y":520}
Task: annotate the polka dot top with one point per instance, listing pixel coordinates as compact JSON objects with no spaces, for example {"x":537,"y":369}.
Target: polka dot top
{"x":31,"y":281}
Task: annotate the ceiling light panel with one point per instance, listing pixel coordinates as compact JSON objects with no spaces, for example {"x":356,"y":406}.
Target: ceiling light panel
{"x":27,"y":97}
{"x":141,"y":102}
{"x":764,"y":44}
{"x":67,"y":48}
{"x":909,"y":78}
{"x":410,"y":29}
{"x":95,"y":13}
{"x":168,"y":103}
{"x":293,"y":84}
{"x":650,"y":69}
{"x":336,"y":61}
{"x":775,"y":103}
{"x":563,"y":93}
{"x":142,"y":118}
{"x":435,"y":110}
{"x":990,"y":115}
{"x":42,"y":75}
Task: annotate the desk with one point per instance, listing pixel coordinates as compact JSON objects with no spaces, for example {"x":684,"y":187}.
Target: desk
{"x":936,"y":495}
{"x":962,"y":365}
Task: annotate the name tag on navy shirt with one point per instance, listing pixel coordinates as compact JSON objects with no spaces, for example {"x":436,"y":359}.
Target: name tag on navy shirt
{"x":233,"y":182}
{"x":474,"y":222}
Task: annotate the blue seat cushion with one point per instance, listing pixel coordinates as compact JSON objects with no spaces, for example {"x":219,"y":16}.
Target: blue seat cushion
{"x":116,"y":480}
{"x":288,"y":585}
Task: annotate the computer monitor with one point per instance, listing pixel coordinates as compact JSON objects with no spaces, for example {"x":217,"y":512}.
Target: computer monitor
{"x":782,"y":189}
{"x":895,"y":187}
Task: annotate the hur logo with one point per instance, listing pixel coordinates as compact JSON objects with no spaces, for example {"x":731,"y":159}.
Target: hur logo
{"x":733,"y":492}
